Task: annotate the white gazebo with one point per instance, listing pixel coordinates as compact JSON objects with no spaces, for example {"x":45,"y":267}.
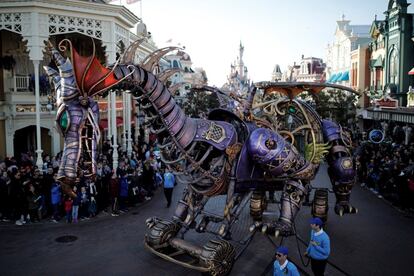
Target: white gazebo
{"x":25,"y":26}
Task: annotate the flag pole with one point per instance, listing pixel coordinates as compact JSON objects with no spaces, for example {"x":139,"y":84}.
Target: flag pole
{"x":140,"y":9}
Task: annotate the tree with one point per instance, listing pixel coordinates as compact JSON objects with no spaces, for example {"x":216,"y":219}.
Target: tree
{"x":198,"y":103}
{"x":336,"y":104}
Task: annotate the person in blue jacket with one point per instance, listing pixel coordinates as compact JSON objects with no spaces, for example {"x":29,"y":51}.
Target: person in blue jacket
{"x":319,"y":247}
{"x":282,"y":267}
{"x":56,"y":198}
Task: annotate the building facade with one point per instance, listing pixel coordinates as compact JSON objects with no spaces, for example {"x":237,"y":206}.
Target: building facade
{"x":312,"y":69}
{"x":399,"y":49}
{"x":391,"y":58}
{"x":25,"y":27}
{"x":309,"y":69}
{"x":360,"y":73}
{"x":187,"y":77}
{"x":378,"y":54}
{"x":338,"y":57}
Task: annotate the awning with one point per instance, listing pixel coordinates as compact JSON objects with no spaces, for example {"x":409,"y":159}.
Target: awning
{"x":344,"y":77}
{"x":337,"y":77}
{"x":103,"y":124}
{"x":331,"y":78}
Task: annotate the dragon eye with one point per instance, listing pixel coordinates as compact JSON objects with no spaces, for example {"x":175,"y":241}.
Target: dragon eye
{"x":64,"y":121}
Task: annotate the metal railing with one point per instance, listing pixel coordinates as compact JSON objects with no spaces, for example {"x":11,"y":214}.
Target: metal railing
{"x":21,"y":83}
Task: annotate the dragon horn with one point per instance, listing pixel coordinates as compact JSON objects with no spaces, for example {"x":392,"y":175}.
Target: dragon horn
{"x":164,"y":75}
{"x":56,"y":56}
{"x":128,"y":56}
{"x":155,"y":57}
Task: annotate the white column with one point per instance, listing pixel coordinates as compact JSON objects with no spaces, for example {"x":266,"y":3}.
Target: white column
{"x":39,"y":161}
{"x":109,"y":41}
{"x":9,"y":134}
{"x":128,"y":111}
{"x":136,"y":125}
{"x":124,"y":120}
{"x":136,"y":122}
{"x":114,"y":132}
{"x":108,"y":116}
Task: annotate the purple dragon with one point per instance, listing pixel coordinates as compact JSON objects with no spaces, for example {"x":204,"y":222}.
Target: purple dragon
{"x":271,"y":145}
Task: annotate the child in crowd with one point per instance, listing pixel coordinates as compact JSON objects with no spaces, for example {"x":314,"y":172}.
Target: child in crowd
{"x":68,"y":208}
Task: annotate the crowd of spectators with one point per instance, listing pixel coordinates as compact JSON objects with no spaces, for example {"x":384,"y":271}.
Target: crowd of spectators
{"x":30,"y":194}
{"x":387,"y":169}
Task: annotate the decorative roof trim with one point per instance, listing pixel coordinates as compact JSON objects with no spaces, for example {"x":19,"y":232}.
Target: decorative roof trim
{"x":119,"y":12}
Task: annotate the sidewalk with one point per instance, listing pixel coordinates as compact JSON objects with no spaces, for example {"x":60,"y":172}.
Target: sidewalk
{"x":99,"y":216}
{"x":407,"y":212}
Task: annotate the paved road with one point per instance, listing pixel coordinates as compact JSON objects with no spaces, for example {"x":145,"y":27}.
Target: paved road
{"x":379,"y":240}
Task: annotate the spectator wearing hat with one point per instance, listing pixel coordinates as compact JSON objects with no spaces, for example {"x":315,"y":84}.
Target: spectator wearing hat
{"x":282,"y":266}
{"x":319,"y":247}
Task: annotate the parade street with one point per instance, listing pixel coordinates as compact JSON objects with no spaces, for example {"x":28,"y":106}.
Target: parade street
{"x":376,"y":241}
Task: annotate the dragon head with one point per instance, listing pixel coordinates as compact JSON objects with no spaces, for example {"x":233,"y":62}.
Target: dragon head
{"x":77,"y":117}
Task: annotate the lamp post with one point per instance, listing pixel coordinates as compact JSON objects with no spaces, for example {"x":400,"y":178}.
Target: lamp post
{"x":39,"y":151}
{"x":114,"y":131}
{"x":128,"y":113}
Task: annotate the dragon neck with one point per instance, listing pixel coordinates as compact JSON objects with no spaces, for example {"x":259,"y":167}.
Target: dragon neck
{"x":174,"y":118}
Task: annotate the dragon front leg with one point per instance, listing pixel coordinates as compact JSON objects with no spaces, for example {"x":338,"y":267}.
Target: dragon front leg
{"x":293,"y":195}
{"x":341,"y":169}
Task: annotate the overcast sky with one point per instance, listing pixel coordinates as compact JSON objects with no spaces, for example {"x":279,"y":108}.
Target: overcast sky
{"x":272,"y":31}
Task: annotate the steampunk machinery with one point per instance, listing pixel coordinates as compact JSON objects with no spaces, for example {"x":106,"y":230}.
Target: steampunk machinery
{"x":263,"y":145}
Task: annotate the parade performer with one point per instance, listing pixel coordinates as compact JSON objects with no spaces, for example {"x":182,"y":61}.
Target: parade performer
{"x":282,"y":266}
{"x":319,"y":247}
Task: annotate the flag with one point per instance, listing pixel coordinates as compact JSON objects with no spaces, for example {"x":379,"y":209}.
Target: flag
{"x":169,"y":40}
{"x":132,"y":1}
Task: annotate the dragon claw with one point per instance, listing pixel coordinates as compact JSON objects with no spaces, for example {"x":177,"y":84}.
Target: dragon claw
{"x":278,"y":229}
{"x":342,"y":209}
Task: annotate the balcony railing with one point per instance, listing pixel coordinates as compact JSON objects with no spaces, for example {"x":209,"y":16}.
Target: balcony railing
{"x":21,"y":83}
{"x":31,"y":108}
{"x":25,"y":83}
{"x":17,"y":84}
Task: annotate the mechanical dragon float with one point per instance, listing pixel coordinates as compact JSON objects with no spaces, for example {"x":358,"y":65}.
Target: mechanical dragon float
{"x":240,"y":154}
